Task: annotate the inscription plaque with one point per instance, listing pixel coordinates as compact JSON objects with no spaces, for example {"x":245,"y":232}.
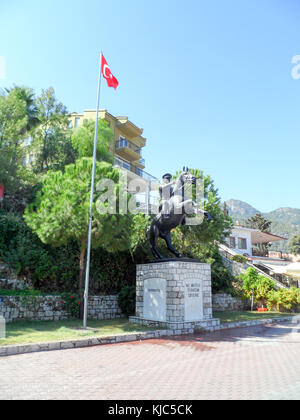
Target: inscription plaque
{"x":155,"y":299}
{"x":193,"y":301}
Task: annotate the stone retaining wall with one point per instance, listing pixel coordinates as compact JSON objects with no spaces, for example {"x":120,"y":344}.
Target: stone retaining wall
{"x":104,"y":307}
{"x":235,"y":268}
{"x":224,"y":302}
{"x":50,"y":308}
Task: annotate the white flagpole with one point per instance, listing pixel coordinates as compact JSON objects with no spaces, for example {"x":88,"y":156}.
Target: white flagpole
{"x":87,"y":274}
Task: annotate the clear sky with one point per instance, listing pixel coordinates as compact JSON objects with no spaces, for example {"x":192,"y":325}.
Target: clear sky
{"x":209,"y":81}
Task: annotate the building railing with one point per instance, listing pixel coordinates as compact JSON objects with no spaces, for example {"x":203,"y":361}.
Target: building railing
{"x":259,"y":253}
{"x":125,"y":143}
{"x":132,"y":168}
{"x":227,"y":253}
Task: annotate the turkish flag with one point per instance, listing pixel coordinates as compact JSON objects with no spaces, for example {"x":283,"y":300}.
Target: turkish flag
{"x":1,"y":191}
{"x":107,"y":74}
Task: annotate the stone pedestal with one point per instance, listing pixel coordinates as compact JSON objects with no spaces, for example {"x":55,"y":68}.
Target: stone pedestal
{"x":175,"y":294}
{"x":2,"y":327}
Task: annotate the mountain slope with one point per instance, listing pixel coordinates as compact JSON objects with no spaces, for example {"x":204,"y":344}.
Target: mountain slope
{"x":241,"y":209}
{"x":285,"y":215}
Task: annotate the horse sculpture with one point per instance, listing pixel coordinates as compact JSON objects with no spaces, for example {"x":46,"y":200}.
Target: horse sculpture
{"x":173,"y":211}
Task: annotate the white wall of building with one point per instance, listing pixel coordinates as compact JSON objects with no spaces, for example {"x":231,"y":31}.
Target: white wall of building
{"x":241,"y":233}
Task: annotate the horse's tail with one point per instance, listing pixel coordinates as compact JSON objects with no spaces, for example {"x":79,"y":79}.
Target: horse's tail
{"x":148,"y":232}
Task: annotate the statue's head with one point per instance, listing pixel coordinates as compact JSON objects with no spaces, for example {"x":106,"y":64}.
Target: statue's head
{"x":167,"y":177}
{"x":187,"y":177}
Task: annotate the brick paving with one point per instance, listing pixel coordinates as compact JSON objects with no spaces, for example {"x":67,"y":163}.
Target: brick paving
{"x":246,"y":363}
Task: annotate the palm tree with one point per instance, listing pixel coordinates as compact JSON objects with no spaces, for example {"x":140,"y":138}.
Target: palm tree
{"x":27,"y":95}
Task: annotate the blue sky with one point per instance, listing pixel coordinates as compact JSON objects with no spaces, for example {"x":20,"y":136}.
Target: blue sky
{"x":209,"y":81}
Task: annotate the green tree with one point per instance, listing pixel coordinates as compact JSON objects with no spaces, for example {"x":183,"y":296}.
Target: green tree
{"x":264,"y":225}
{"x":139,"y":244}
{"x":259,"y":222}
{"x":60,"y":211}
{"x":189,"y":238}
{"x":83,"y":140}
{"x":13,"y":122}
{"x":51,"y":146}
{"x":284,"y":300}
{"x":27,"y":95}
{"x":294,"y":245}
{"x":255,"y":286}
{"x":225,"y":209}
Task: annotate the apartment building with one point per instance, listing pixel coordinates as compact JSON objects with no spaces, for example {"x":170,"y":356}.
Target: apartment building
{"x":127,"y":150}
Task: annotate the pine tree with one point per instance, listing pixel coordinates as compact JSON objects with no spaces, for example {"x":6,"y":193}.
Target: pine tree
{"x":60,"y":211}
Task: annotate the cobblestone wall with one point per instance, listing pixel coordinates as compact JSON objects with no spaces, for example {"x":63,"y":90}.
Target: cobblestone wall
{"x":234,"y":267}
{"x":177,"y":276}
{"x":50,"y":308}
{"x":224,"y":302}
{"x":104,"y":307}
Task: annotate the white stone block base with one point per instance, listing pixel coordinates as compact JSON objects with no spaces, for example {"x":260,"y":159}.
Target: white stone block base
{"x":182,"y":327}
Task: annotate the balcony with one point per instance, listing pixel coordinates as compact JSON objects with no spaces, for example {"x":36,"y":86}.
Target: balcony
{"x":142,"y":162}
{"x":127,"y":149}
{"x":120,"y":163}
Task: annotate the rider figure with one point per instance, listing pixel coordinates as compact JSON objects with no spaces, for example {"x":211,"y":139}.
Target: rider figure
{"x":166,"y":192}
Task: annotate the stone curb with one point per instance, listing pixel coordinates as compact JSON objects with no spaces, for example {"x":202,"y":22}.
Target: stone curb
{"x":86,"y":342}
{"x":244,"y":324}
{"x":147,"y":335}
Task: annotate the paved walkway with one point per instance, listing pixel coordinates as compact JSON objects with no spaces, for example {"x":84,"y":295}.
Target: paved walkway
{"x":246,"y":363}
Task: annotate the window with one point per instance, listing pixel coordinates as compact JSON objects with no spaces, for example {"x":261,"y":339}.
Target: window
{"x":77,"y":122}
{"x":30,"y":159}
{"x":25,"y":161}
{"x":242,"y":243}
{"x":123,"y":142}
{"x":232,"y":242}
{"x":70,"y":126}
{"x":139,"y":172}
{"x":122,"y":164}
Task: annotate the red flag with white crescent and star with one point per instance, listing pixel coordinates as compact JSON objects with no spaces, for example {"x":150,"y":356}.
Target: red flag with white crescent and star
{"x":107,"y":74}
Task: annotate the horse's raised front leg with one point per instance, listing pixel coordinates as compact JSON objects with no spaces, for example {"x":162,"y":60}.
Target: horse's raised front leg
{"x":186,"y":207}
{"x":170,"y":247}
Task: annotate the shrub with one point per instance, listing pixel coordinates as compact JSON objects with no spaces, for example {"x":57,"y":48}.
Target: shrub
{"x":284,"y":300}
{"x":126,"y":300}
{"x":255,"y":286}
{"x":239,"y":258}
{"x":23,"y":251}
{"x":50,"y":269}
{"x":71,"y":303}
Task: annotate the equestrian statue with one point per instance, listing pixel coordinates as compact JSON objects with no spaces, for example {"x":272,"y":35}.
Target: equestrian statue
{"x":173,"y":209}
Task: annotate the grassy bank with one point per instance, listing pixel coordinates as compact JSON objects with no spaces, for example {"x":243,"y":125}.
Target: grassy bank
{"x":27,"y":332}
{"x":236,"y":316}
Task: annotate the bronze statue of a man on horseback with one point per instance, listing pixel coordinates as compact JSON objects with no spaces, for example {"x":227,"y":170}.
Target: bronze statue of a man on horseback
{"x":174,"y":208}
